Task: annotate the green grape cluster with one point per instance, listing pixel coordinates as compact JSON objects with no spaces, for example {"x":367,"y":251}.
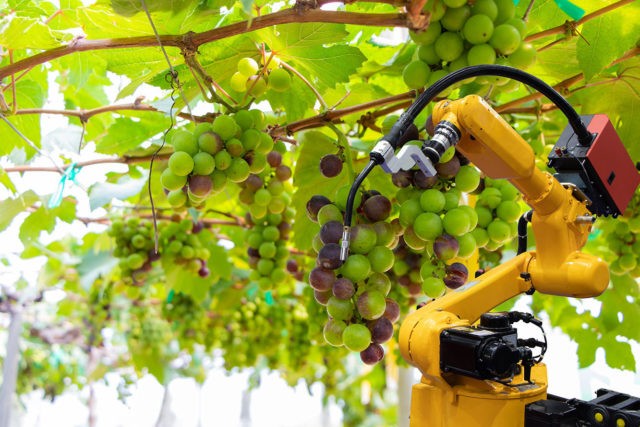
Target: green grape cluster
{"x":618,"y":240}
{"x":461,"y":34}
{"x":190,"y":321}
{"x":435,"y":220}
{"x":498,"y":209}
{"x":247,"y":78}
{"x":268,"y":196}
{"x":47,"y":370}
{"x":355,"y":292}
{"x":253,"y":331}
{"x":180,"y":242}
{"x":134,"y":238}
{"x":99,"y":311}
{"x":148,"y":331}
{"x":229,"y":149}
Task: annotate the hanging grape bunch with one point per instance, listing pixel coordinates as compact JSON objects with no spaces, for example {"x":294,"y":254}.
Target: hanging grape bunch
{"x":354,"y":292}
{"x":180,"y":242}
{"x":461,"y":34}
{"x":255,"y":330}
{"x":229,"y":149}
{"x":619,"y":240}
{"x":248,"y":78}
{"x":268,"y":196}
{"x":134,"y":239}
{"x":190,"y":321}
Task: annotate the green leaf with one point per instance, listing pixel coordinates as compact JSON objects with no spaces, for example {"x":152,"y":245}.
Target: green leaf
{"x":619,"y":100}
{"x":103,"y":192}
{"x":219,"y":261}
{"x":619,"y":354}
{"x":329,"y":66}
{"x":128,"y":133}
{"x":29,"y":33}
{"x":6,"y":181}
{"x":9,"y":208}
{"x":606,"y":38}
{"x":220,"y":59}
{"x":295,"y":101}
{"x":300,"y":35}
{"x":30,"y":94}
{"x":94,"y":265}
{"x":587,"y":347}
{"x":44,"y":219}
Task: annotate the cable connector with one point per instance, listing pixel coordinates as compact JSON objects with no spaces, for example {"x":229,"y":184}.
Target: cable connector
{"x":344,"y":246}
{"x":408,"y":156}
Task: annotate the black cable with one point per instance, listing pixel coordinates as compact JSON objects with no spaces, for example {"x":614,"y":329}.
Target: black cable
{"x":354,"y":190}
{"x":350,"y":200}
{"x":525,"y":218}
{"x":398,"y":129}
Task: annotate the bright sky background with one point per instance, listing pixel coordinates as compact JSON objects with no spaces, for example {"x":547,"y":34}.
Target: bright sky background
{"x":218,"y":402}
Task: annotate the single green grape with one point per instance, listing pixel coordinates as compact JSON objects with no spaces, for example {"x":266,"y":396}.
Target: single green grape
{"x":171,"y":181}
{"x":449,"y":46}
{"x":478,"y":29}
{"x":181,"y":163}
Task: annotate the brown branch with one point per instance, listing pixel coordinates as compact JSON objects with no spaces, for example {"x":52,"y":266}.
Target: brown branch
{"x":84,"y":115}
{"x":330,"y":116}
{"x":191,"y":41}
{"x":564,"y":85}
{"x":573,"y":24}
{"x":208,"y":222}
{"x":124,"y":159}
{"x":528,"y":11}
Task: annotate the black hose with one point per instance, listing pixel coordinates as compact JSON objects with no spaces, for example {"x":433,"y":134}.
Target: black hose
{"x":354,"y":190}
{"x":525,"y":218}
{"x":405,"y":120}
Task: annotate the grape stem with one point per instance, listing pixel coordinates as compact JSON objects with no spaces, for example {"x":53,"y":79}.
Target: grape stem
{"x":343,"y":142}
{"x":313,"y":89}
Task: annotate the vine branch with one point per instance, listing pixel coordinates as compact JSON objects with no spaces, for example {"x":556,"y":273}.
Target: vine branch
{"x":560,"y":29}
{"x":190,"y":41}
{"x":85,"y":115}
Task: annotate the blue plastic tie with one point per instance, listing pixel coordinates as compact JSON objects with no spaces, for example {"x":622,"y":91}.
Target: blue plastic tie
{"x":268,"y":298}
{"x":170,"y":296}
{"x":69,"y":174}
{"x":567,"y":7}
{"x":570,"y":9}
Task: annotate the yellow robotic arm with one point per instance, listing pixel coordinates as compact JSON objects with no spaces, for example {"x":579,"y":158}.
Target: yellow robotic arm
{"x":557,"y":267}
{"x":484,"y":375}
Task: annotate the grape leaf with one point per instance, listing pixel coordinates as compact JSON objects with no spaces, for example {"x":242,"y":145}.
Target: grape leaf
{"x":606,"y":38}
{"x":587,"y":347}
{"x":9,"y":208}
{"x":300,"y":35}
{"x":618,"y":354}
{"x":619,"y":100}
{"x":330,"y":65}
{"x":128,"y":133}
{"x":94,"y":265}
{"x":30,"y":94}
{"x":6,"y":181}
{"x":29,"y":33}
{"x":295,"y":43}
{"x":103,"y":192}
{"x":44,"y":219}
{"x":295,"y":101}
